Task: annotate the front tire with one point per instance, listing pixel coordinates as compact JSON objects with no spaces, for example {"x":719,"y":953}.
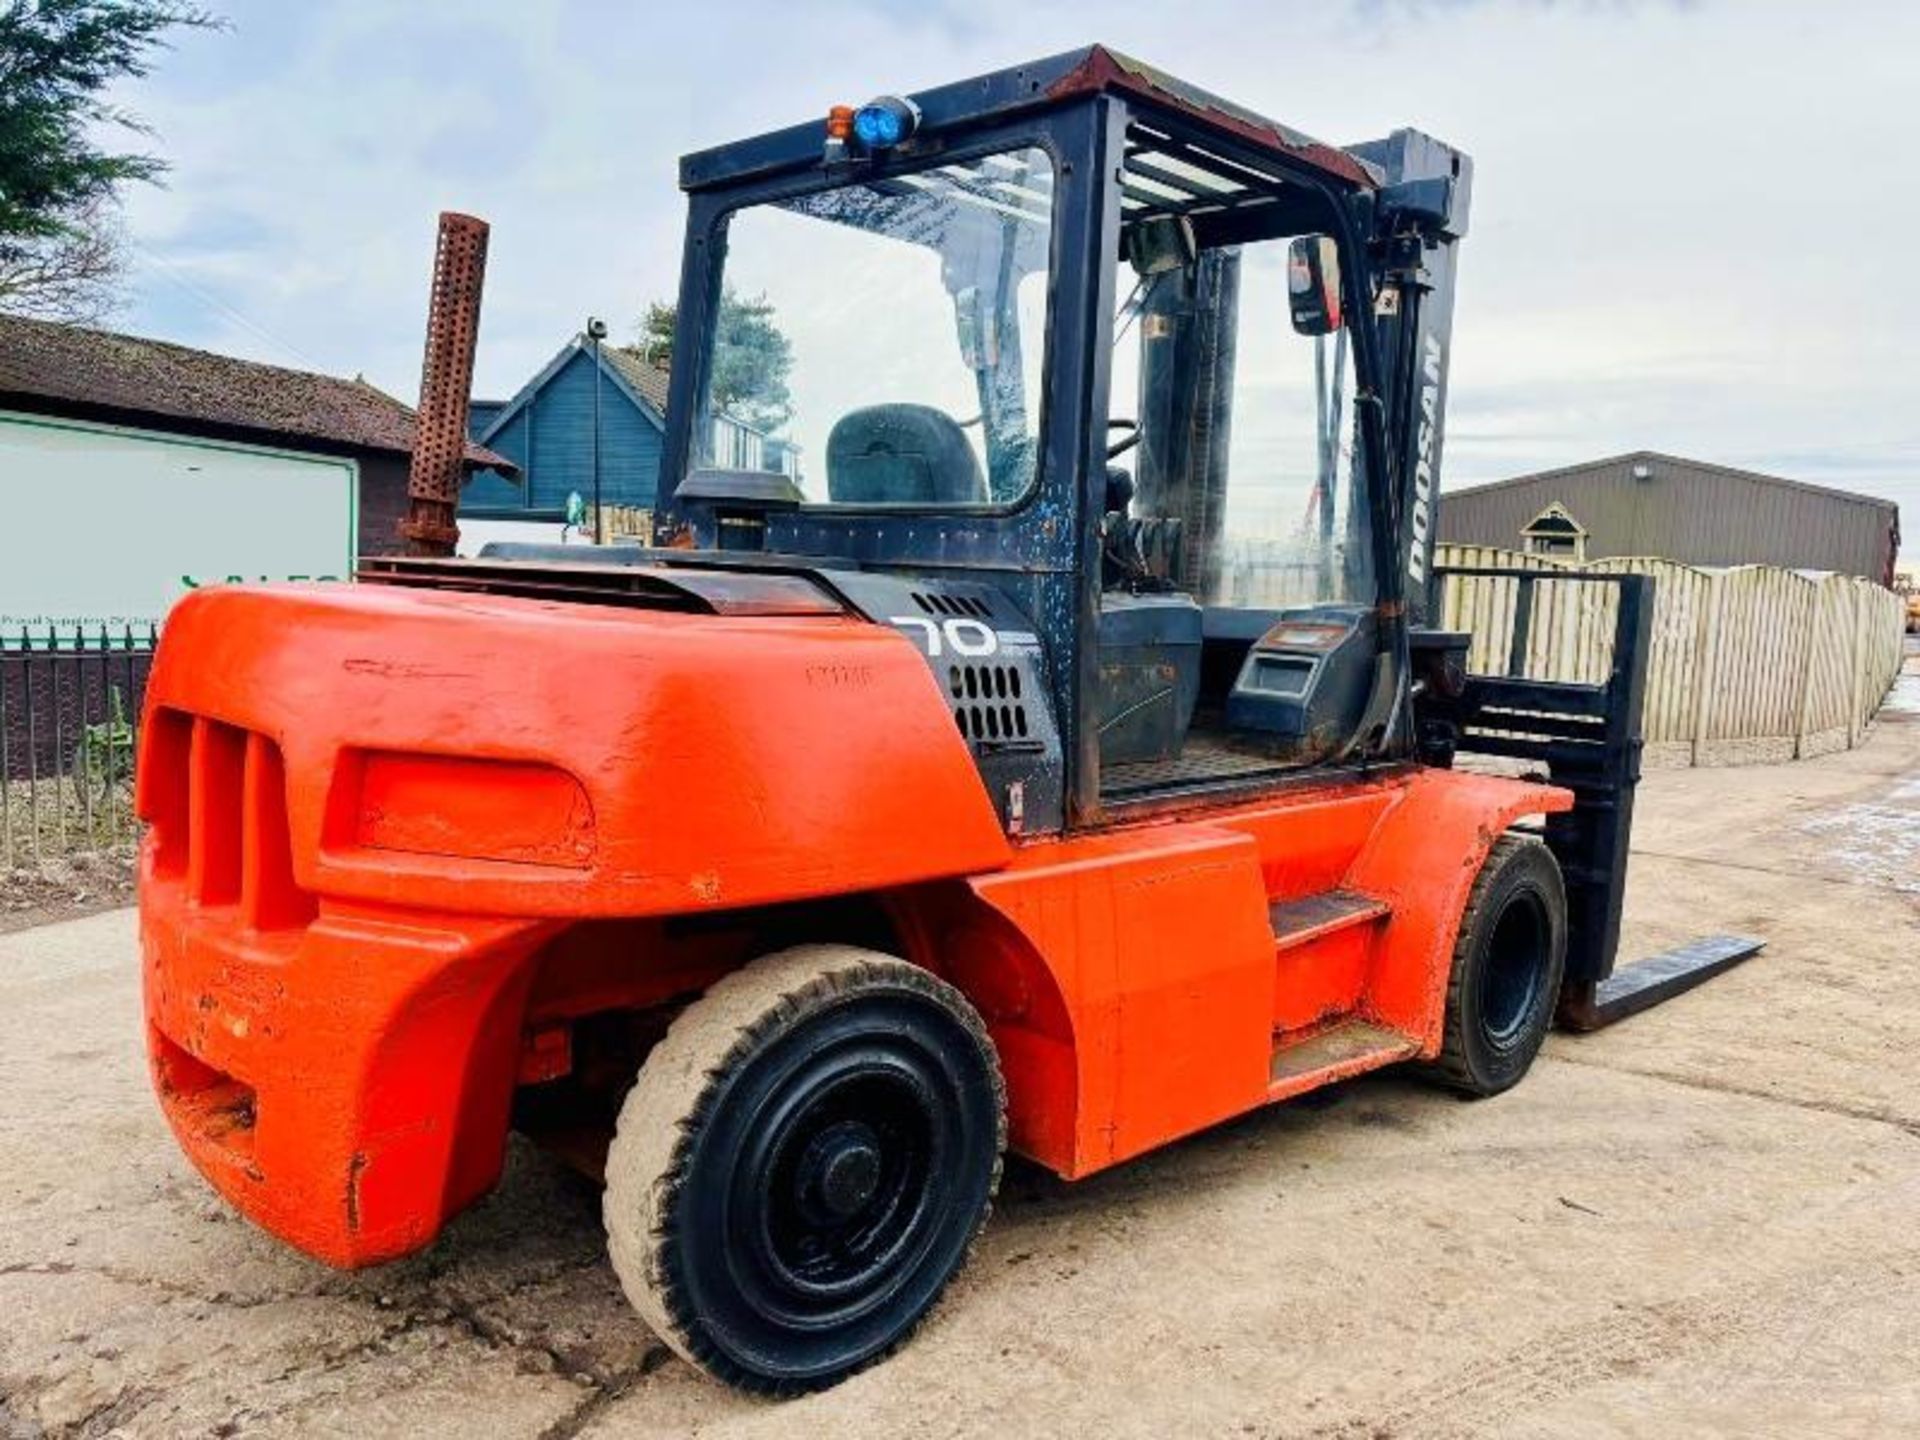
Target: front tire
{"x":1508,"y":962}
{"x":802,"y":1165}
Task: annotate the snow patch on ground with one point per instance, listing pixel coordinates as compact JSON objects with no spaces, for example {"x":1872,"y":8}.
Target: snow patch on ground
{"x":1904,"y":699}
{"x":1877,"y":844}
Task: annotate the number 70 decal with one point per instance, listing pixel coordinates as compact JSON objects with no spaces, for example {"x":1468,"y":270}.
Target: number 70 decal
{"x":964,"y":637}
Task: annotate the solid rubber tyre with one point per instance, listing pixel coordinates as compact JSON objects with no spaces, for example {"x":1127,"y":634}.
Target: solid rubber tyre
{"x":803,"y":1164}
{"x":1508,"y":961}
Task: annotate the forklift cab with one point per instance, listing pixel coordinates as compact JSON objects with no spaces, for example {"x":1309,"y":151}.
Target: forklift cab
{"x":1062,"y":366}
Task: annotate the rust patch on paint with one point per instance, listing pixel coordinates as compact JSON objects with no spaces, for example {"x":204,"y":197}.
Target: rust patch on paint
{"x":355,"y":1167}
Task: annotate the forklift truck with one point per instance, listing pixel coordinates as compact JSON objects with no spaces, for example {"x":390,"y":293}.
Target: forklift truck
{"x":1029,"y":734}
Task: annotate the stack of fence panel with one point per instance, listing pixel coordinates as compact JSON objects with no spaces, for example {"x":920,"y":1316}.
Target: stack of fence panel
{"x":1749,"y":664}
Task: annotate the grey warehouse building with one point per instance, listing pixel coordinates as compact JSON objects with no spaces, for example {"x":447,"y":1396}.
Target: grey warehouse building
{"x":1686,"y":510}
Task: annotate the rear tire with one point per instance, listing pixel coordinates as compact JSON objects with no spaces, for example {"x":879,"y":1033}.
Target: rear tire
{"x":802,"y":1165}
{"x":1508,"y":962}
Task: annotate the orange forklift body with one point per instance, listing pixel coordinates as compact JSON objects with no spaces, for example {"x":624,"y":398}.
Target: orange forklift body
{"x":386,"y":870}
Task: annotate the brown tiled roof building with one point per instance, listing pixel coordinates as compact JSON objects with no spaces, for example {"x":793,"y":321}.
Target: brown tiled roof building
{"x":97,"y":375}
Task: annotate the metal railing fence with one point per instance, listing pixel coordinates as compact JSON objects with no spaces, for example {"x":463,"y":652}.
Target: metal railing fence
{"x":69,"y":724}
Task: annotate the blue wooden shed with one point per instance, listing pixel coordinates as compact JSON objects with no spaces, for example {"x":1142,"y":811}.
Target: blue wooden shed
{"x":547,"y":429}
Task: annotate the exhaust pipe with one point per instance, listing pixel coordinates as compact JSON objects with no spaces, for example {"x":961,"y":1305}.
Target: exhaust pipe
{"x":446,"y":385}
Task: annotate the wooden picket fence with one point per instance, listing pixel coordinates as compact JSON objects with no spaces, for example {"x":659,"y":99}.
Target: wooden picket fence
{"x":1749,"y":664}
{"x":624,"y":522}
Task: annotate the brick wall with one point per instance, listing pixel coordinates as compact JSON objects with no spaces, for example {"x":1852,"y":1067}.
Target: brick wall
{"x":383,"y":502}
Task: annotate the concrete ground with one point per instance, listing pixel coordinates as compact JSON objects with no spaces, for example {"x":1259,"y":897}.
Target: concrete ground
{"x":1702,"y":1222}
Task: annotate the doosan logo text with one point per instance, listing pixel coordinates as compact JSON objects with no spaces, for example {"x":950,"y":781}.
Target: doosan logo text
{"x":1423,"y":464}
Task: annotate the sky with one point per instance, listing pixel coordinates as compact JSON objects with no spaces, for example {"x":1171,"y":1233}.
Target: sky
{"x":1691,"y":222}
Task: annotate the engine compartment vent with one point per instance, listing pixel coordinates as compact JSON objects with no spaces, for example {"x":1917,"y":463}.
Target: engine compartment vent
{"x":988,"y":703}
{"x":956,"y":605}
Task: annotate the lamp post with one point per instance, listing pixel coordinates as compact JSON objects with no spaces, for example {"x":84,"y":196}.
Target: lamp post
{"x":596,"y":332}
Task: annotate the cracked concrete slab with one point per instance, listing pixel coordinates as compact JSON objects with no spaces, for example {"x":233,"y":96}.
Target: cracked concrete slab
{"x":1700,"y":1222}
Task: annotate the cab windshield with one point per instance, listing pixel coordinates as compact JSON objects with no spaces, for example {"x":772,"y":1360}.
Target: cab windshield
{"x":1232,"y":476}
{"x":881,"y":343}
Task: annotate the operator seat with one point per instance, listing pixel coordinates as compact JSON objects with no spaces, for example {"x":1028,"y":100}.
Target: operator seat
{"x":902,"y":455}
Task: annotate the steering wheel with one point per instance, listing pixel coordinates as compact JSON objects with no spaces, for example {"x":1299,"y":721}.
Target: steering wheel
{"x":1120,"y":447}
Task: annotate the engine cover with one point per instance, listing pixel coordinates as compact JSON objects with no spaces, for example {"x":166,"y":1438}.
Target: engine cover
{"x":992,"y":669}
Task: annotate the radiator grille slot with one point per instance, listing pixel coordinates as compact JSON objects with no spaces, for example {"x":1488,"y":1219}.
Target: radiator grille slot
{"x":220,"y":818}
{"x":216,"y":777}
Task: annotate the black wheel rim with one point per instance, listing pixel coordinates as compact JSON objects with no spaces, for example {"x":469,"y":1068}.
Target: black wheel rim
{"x":849,"y":1182}
{"x":839,"y":1172}
{"x":834,"y":1194}
{"x":1514,"y":974}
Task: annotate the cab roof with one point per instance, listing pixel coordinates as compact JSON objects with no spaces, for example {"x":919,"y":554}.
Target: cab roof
{"x":1006,"y":93}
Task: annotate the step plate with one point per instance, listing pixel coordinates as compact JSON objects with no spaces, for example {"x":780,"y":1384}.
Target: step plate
{"x":1346,"y":1049}
{"x":1295,"y":922}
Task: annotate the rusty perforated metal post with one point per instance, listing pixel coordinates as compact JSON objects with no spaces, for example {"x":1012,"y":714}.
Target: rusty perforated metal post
{"x":446,"y":383}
